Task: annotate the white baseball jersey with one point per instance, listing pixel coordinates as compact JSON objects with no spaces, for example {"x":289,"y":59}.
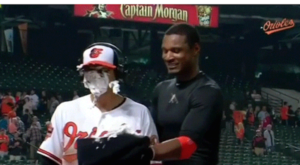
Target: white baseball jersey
{"x":81,"y":119}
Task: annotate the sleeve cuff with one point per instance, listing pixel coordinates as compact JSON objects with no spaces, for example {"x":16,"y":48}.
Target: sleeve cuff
{"x":50,"y":156}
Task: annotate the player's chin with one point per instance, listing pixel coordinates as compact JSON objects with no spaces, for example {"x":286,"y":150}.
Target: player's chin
{"x":173,"y":70}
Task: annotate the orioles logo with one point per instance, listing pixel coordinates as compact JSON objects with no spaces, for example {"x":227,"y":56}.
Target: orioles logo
{"x":72,"y":132}
{"x":96,"y":52}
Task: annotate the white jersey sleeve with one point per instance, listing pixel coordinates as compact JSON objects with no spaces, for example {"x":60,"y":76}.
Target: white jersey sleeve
{"x":149,"y":126}
{"x":52,"y":147}
{"x":150,"y":130}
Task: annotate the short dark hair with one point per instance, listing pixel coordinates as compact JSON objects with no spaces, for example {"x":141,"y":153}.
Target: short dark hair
{"x":191,"y":33}
{"x":285,"y":103}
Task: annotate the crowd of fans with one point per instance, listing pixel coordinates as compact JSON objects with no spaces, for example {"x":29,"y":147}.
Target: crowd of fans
{"x":256,"y":115}
{"x":20,"y":129}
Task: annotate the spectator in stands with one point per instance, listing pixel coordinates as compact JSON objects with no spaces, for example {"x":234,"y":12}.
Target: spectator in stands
{"x":4,"y":142}
{"x":284,"y":113}
{"x":4,"y":123}
{"x":49,"y":102}
{"x":28,"y":105}
{"x":229,"y":119}
{"x":13,"y":113}
{"x":262,"y":114}
{"x":27,"y":119}
{"x":256,"y":110}
{"x":258,"y":144}
{"x":250,"y":116}
{"x":12,"y":126}
{"x":259,"y":128}
{"x":35,"y":99}
{"x":273,"y":114}
{"x":36,"y":120}
{"x":75,"y":95}
{"x":59,"y":98}
{"x":15,"y":148}
{"x":255,"y":96}
{"x":54,"y":104}
{"x":21,"y":126}
{"x":291,"y":116}
{"x":267,"y":121}
{"x":270,"y":138}
{"x":43,"y":102}
{"x":18,"y":97}
{"x":250,"y":106}
{"x":35,"y":135}
{"x":49,"y":129}
{"x":238,"y":117}
{"x":7,"y":104}
{"x":240,"y":132}
{"x":19,"y":107}
{"x":12,"y":97}
{"x":24,"y":94}
{"x":248,"y":96}
{"x":232,"y":106}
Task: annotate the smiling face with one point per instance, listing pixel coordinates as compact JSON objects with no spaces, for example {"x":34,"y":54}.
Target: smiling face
{"x":177,"y":54}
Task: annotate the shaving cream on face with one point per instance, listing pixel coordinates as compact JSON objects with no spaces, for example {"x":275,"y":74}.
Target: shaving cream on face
{"x":96,"y":82}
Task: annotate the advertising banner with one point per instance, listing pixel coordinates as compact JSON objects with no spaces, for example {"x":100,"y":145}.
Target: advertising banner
{"x":23,"y":34}
{"x":197,"y":15}
{"x":9,"y":38}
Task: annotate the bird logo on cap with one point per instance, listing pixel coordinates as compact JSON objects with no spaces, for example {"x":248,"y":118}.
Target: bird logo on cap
{"x":96,"y":52}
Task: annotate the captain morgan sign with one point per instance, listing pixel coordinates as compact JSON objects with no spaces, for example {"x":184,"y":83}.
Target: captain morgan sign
{"x":196,"y":15}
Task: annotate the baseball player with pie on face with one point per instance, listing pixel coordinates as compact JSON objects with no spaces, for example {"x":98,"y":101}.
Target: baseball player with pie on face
{"x":187,"y":110}
{"x":100,"y":114}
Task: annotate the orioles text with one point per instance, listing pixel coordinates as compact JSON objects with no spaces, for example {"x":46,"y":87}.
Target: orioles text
{"x":72,"y":132}
{"x":276,"y":26}
{"x":175,"y":14}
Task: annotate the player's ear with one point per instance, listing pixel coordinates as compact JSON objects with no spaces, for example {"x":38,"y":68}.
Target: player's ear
{"x":197,"y":49}
{"x":111,"y":75}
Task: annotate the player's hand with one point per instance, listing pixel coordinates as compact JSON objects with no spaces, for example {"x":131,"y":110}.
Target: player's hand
{"x":123,"y":149}
{"x":154,"y":140}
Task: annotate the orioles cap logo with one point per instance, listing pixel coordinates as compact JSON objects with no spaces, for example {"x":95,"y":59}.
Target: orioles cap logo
{"x":96,"y":52}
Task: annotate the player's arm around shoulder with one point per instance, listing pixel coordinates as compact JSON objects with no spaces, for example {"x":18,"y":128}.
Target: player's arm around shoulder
{"x":52,"y":147}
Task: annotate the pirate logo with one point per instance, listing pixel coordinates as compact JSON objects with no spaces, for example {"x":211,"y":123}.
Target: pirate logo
{"x":99,"y":11}
{"x":204,"y":14}
{"x":95,"y":52}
